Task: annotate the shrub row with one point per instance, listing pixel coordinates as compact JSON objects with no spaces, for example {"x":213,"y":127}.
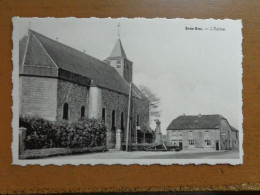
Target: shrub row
{"x":42,"y":133}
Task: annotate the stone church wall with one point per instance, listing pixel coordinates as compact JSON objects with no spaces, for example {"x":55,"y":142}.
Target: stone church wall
{"x":141,"y":107}
{"x":119,"y":102}
{"x":38,"y":96}
{"x":114,"y":101}
{"x":75,"y":96}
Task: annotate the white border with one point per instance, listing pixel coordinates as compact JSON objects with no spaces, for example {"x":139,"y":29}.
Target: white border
{"x":52,"y":161}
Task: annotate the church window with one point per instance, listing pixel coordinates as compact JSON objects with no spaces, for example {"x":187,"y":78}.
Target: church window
{"x":122,"y":121}
{"x":82,"y":112}
{"x":104,"y":115}
{"x":113,"y":127}
{"x":118,"y":62}
{"x":66,"y":111}
{"x":137,"y":120}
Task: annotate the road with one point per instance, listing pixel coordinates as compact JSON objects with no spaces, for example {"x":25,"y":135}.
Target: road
{"x":112,"y":154}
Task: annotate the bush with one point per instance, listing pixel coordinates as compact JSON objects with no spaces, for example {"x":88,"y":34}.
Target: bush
{"x":42,"y":133}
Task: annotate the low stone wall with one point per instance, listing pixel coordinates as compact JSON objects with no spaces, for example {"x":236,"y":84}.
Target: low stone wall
{"x":43,"y":153}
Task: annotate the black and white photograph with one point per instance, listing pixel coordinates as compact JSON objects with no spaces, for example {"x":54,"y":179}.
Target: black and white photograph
{"x":127,"y":91}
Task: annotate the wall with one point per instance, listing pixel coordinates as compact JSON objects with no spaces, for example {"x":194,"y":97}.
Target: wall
{"x":38,"y":96}
{"x":197,"y":134}
{"x":119,"y":102}
{"x":235,"y":140}
{"x":225,"y":133}
{"x":114,"y":101}
{"x":75,"y":95}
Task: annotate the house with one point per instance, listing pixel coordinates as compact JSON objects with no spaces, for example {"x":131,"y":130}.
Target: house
{"x":211,"y":132}
{"x":57,"y":82}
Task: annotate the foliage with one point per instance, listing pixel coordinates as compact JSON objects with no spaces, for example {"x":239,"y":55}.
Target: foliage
{"x":154,"y":102}
{"x":42,"y":133}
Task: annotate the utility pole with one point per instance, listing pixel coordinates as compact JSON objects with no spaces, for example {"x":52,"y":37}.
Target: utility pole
{"x":128,"y":116}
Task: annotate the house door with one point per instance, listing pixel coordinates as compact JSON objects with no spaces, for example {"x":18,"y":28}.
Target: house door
{"x":217,"y":145}
{"x":180,"y":144}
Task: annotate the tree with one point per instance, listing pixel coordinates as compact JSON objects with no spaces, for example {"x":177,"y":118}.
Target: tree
{"x":154,"y":102}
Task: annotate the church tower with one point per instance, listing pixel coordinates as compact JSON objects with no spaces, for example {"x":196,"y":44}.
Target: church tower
{"x":119,"y":61}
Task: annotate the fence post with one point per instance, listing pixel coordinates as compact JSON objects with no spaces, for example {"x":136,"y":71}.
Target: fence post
{"x":22,"y":136}
{"x":118,"y":139}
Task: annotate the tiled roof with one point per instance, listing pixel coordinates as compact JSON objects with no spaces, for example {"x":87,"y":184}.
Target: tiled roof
{"x":77,"y":62}
{"x":195,"y":122}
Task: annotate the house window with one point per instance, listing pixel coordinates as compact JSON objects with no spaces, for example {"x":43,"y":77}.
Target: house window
{"x":137,"y":120}
{"x":113,"y":127}
{"x":82,"y":112}
{"x":66,"y":111}
{"x":190,"y":133}
{"x":104,"y":115}
{"x":208,"y":142}
{"x":191,"y":142}
{"x":122,"y":121}
{"x":174,"y":142}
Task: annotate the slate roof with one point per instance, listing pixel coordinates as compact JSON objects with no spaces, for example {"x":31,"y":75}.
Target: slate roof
{"x":196,"y":122}
{"x":72,"y":60}
{"x":118,"y":50}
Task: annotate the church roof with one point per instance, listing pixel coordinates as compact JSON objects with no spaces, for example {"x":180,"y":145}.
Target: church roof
{"x":74,"y":61}
{"x":118,"y":51}
{"x":196,"y":122}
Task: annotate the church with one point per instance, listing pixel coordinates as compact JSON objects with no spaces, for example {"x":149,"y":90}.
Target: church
{"x":57,"y":82}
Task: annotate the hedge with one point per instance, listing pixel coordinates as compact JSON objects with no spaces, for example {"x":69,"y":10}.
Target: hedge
{"x":42,"y":133}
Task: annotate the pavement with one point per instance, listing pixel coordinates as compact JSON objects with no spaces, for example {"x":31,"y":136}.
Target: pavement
{"x":114,"y":154}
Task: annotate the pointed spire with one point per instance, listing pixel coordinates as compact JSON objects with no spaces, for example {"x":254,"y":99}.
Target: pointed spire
{"x":118,"y":50}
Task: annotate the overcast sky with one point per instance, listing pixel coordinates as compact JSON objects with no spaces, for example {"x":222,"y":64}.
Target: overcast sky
{"x":192,"y":71}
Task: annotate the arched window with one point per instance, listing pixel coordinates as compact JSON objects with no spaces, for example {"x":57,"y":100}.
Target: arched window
{"x":66,"y":111}
{"x":122,"y":121}
{"x":137,"y":120}
{"x":82,"y":112}
{"x":104,"y":115}
{"x":113,"y":120}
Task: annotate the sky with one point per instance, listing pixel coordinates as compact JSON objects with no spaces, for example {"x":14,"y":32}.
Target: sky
{"x":192,"y":71}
